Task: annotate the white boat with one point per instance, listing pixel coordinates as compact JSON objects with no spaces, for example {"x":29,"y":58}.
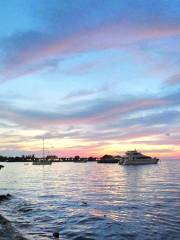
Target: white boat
{"x":43,"y":160}
{"x":137,"y":158}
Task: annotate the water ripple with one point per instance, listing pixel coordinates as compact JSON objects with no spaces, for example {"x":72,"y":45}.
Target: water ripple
{"x":94,"y":201}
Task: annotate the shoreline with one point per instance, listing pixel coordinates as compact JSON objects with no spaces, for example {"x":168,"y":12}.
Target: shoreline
{"x":8,"y":231}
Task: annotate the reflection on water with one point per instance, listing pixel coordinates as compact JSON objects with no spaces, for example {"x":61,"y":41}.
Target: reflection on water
{"x":94,"y":201}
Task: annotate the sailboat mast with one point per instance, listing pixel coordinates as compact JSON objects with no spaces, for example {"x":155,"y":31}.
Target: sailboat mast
{"x":43,"y":147}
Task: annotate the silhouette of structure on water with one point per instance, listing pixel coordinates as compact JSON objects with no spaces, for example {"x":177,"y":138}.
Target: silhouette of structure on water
{"x":53,"y":158}
{"x":131,"y":158}
{"x":108,"y":159}
{"x":1,"y":166}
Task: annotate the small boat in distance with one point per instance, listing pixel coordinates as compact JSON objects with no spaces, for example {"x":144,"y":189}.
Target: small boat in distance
{"x":77,"y":159}
{"x":137,"y":158}
{"x":108,"y":159}
{"x":1,"y":166}
{"x":43,"y":160}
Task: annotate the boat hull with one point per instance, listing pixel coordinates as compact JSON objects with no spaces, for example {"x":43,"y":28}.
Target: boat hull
{"x":138,"y":162}
{"x":108,"y":161}
{"x":1,"y":166}
{"x":41,"y":163}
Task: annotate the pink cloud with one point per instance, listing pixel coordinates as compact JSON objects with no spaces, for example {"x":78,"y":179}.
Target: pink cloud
{"x":79,"y":94}
{"x":128,"y":107}
{"x":104,"y":37}
{"x":12,"y":73}
{"x":104,"y":112}
{"x":175,"y":79}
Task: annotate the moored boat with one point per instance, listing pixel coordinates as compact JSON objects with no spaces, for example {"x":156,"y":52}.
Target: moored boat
{"x":77,"y":159}
{"x":1,"y":166}
{"x":43,"y":160}
{"x":108,"y":159}
{"x":137,"y":158}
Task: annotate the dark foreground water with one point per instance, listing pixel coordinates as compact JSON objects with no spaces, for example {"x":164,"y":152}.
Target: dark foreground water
{"x":93,"y":201}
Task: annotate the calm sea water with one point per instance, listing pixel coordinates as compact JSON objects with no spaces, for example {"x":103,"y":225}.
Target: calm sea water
{"x":93,"y":201}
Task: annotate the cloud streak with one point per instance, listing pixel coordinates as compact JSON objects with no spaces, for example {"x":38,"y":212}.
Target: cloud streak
{"x":87,"y":112}
{"x":173,"y":80}
{"x":32,"y":49}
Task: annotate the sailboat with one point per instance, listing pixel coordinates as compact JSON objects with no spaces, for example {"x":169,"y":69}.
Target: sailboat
{"x":43,"y":160}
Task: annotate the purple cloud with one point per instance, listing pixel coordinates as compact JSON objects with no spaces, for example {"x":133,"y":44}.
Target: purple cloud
{"x":32,"y":49}
{"x":173,"y":80}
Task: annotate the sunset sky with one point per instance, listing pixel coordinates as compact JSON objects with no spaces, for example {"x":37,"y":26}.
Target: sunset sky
{"x":90,"y":76}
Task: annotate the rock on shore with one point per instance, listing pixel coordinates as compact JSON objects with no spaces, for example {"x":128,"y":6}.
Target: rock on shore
{"x":8,"y":232}
{"x":5,"y":197}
